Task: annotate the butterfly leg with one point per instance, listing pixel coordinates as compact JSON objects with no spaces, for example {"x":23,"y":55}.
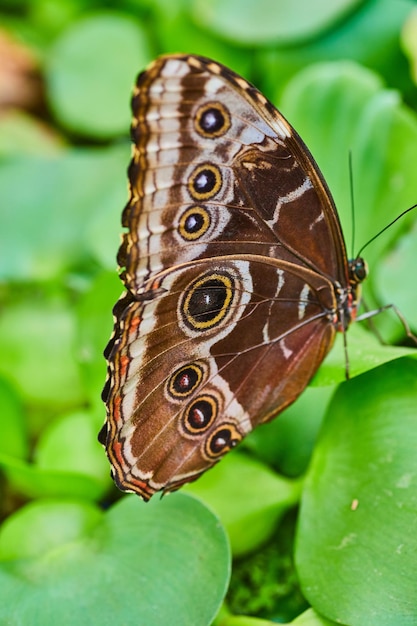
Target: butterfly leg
{"x":368,"y":315}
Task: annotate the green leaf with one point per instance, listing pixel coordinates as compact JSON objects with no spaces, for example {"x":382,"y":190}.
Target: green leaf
{"x":243,"y":620}
{"x":69,"y":444}
{"x":265,"y":21}
{"x":91,"y":70}
{"x":49,"y":18}
{"x":51,"y":219}
{"x":165,"y":562}
{"x":356,"y":541}
{"x":14,"y":436}
{"x":364,"y":351}
{"x":308,"y":618}
{"x":392,"y":273}
{"x":22,"y":134}
{"x":32,"y":481}
{"x":409,"y":42}
{"x":172,"y":18}
{"x":311,"y":618}
{"x":370,"y":35}
{"x":232,"y":489}
{"x":52,"y":523}
{"x":35,"y":336}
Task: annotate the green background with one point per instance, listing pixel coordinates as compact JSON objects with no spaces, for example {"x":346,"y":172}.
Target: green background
{"x":312,"y":521}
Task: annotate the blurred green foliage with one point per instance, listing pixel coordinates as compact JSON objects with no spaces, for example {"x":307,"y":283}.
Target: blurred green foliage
{"x":344,"y":74}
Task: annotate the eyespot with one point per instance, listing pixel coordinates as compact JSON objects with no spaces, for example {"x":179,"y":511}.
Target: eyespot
{"x":212,"y":120}
{"x":194,"y":223}
{"x":205,"y":181}
{"x":185,"y":380}
{"x":200,"y":414}
{"x":207,"y":301}
{"x":222,"y":440}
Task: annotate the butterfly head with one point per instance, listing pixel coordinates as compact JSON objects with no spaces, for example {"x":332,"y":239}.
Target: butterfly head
{"x":358,"y":271}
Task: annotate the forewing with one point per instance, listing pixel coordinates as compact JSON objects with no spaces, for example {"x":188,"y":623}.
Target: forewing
{"x":217,"y":170}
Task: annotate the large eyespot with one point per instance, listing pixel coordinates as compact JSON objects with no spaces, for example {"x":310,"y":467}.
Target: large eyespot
{"x":200,"y":414}
{"x":212,"y":120}
{"x":207,"y":301}
{"x":222,"y":440}
{"x":185,"y":380}
{"x":194,"y":223}
{"x":205,"y":181}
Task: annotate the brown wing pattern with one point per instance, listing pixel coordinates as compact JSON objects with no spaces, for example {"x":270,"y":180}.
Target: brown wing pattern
{"x":270,"y":200}
{"x":235,"y":269}
{"x":183,"y":395}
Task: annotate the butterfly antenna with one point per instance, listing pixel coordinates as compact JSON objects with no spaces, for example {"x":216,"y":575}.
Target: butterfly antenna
{"x":352,"y":204}
{"x":411,"y":208}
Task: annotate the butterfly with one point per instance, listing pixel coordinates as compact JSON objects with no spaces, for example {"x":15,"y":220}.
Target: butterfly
{"x":236,"y":274}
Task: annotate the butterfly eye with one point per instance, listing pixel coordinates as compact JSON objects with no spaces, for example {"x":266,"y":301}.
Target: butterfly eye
{"x":200,"y":414}
{"x":205,"y":182}
{"x":222,"y":441}
{"x":185,"y":380}
{"x":212,"y":120}
{"x":207,"y":301}
{"x":358,"y":270}
{"x":194,"y":223}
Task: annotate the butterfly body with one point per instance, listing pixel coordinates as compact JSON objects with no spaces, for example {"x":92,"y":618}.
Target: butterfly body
{"x":236,"y":274}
